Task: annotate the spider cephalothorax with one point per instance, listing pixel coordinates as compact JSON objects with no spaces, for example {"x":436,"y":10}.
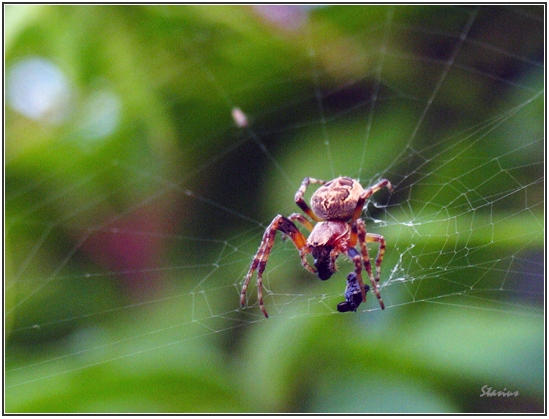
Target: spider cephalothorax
{"x":336,"y":206}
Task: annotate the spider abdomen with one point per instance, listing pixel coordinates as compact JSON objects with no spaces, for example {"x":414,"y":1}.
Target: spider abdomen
{"x":337,"y":199}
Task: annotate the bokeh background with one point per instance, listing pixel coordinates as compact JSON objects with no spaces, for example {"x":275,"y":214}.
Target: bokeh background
{"x":134,"y":204}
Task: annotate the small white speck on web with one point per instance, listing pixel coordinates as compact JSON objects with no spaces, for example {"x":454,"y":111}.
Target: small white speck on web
{"x":239,"y":117}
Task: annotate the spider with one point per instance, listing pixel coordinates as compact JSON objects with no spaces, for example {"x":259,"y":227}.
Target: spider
{"x":336,"y":207}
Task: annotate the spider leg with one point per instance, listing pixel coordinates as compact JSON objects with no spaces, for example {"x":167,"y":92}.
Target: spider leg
{"x":299,"y":197}
{"x":360,"y":228}
{"x":260,"y":260}
{"x":333,"y":256}
{"x":374,"y":188}
{"x":368,"y":193}
{"x":370,"y":237}
{"x":300,"y":218}
{"x":304,"y":250}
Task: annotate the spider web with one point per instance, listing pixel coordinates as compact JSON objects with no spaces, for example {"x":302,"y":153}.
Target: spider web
{"x":464,"y":225}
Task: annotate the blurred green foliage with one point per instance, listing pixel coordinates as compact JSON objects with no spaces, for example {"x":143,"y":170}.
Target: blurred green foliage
{"x":108,"y":235}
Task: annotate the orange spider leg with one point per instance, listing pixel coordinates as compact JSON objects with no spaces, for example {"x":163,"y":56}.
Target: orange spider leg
{"x":368,"y":193}
{"x":288,"y":228}
{"x":370,"y":237}
{"x":301,"y":202}
{"x":362,"y":239}
{"x":300,"y":218}
{"x":260,"y":260}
